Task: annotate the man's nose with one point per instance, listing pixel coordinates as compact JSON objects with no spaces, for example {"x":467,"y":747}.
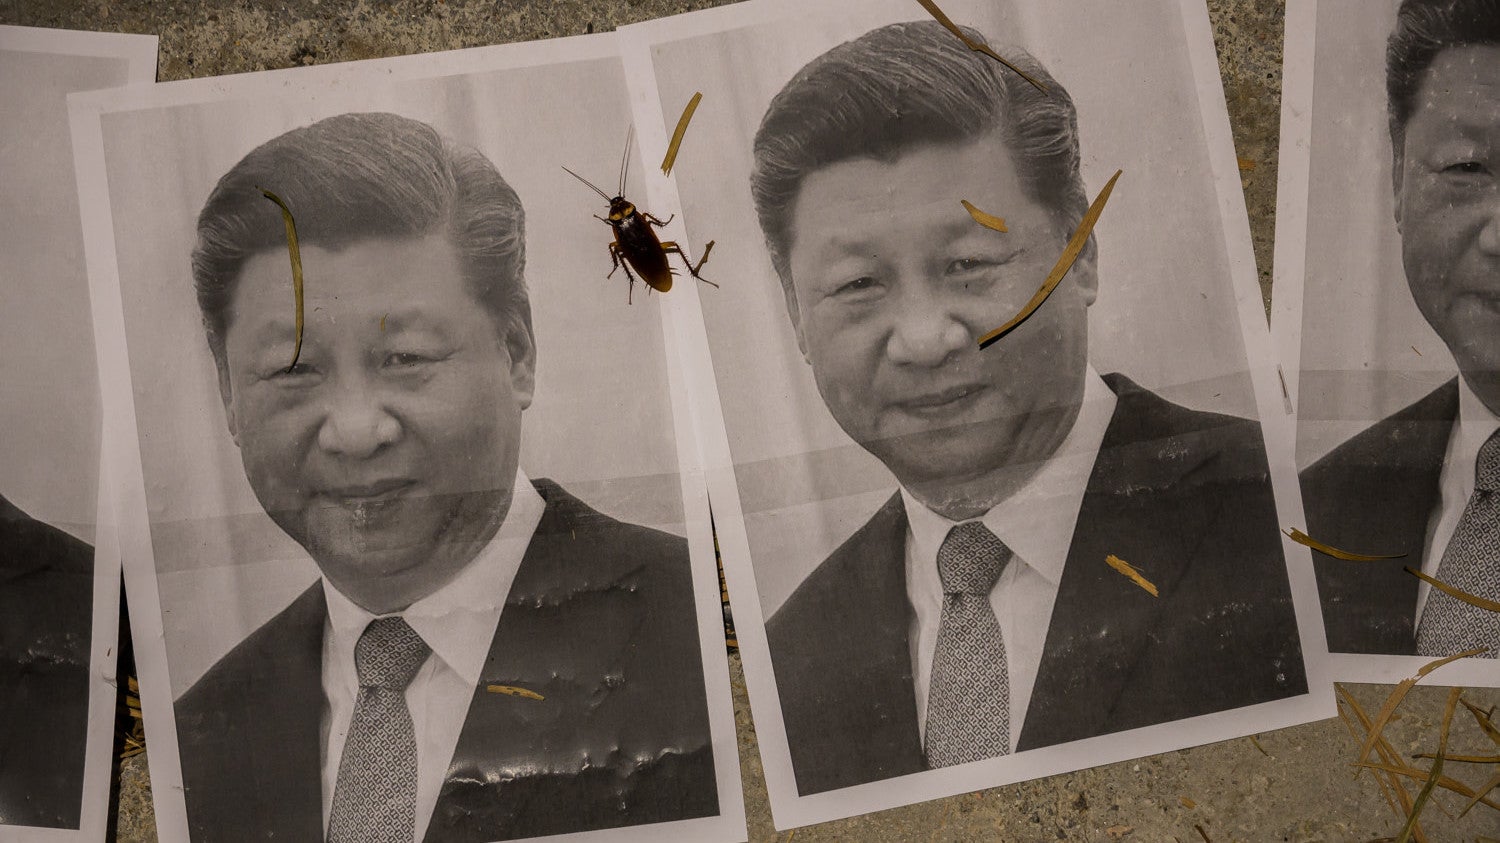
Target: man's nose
{"x":357,"y":423}
{"x":1489,"y":236}
{"x":926,"y":331}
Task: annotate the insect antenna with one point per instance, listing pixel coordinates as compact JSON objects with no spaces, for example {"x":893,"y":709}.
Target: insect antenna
{"x":625,"y":158}
{"x":589,"y":183}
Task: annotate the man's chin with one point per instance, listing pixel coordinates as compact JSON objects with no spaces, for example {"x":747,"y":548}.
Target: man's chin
{"x":367,"y":558}
{"x":942,"y":455}
{"x":1483,"y":378}
{"x":384,"y":543}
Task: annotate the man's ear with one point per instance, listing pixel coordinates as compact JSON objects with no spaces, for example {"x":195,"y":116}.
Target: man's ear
{"x":520,"y":345}
{"x":794,"y":312}
{"x":1085,"y":271}
{"x":1398,"y":166}
{"x":226,"y":395}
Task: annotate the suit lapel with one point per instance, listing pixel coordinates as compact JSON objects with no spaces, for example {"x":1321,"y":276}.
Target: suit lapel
{"x":843,"y":662}
{"x":281,"y":730}
{"x":1099,"y":627}
{"x":878,"y":695}
{"x":293,"y":785}
{"x":1376,"y":493}
{"x":518,"y":758}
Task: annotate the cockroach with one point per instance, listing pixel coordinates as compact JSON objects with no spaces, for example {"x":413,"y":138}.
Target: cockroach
{"x":636,"y":245}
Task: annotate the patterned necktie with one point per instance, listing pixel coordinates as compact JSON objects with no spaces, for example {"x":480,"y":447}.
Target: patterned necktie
{"x":375,"y":798}
{"x":968,"y":702}
{"x":1471,"y":563}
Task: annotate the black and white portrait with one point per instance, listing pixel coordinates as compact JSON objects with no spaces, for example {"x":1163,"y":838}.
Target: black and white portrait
{"x":421,"y":543}
{"x":927,"y":524}
{"x":60,"y":568}
{"x":1396,"y":256}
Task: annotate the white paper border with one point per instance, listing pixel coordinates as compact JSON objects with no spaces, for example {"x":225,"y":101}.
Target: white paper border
{"x":140,"y":570}
{"x":791,"y":810}
{"x":1292,"y":189}
{"x":139,"y":53}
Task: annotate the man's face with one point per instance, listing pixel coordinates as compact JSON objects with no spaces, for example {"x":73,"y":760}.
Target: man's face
{"x":893,"y":284}
{"x":390,"y":450}
{"x":1448,"y":210}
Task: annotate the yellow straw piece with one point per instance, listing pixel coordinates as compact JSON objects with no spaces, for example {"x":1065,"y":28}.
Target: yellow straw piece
{"x":986,"y":220}
{"x":682,"y":124}
{"x":1456,"y":593}
{"x":1304,"y":539}
{"x":1064,"y":263}
{"x":1132,"y":573}
{"x":513,"y":691}
{"x":973,"y":45}
{"x":291,"y":244}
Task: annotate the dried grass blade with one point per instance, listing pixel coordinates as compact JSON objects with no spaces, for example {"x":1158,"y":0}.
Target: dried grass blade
{"x":1456,"y":593}
{"x":1465,"y":759}
{"x":952,"y":27}
{"x":1060,"y":269}
{"x":1399,"y":693}
{"x":1483,"y":719}
{"x":1132,"y":573}
{"x":1445,"y":782}
{"x":1479,"y":796}
{"x":1304,"y":539}
{"x":514,"y":691}
{"x":1412,"y":818}
{"x":677,"y":133}
{"x":987,"y":220}
{"x":1393,"y":768}
{"x":296,"y":254}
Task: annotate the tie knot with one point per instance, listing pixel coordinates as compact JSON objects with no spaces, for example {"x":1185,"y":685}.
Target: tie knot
{"x":1487,"y":464}
{"x":389,"y":654}
{"x":971,"y":559}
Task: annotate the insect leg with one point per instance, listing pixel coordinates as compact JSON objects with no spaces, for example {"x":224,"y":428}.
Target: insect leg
{"x":614,"y":253}
{"x":671,"y":246}
{"x":656,"y":222}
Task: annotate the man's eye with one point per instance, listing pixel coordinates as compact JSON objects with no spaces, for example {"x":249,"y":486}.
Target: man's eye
{"x":406,"y":359}
{"x":1466,"y":168}
{"x":968,"y":265}
{"x":862,"y":284}
{"x":301,"y":374}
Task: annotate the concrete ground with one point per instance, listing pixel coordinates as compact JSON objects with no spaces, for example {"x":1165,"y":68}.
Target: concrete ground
{"x":1294,"y":784}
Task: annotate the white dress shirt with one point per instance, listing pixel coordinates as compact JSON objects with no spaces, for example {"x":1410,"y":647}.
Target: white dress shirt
{"x":1473,"y":427}
{"x":458,"y":622}
{"x":1036,"y":523}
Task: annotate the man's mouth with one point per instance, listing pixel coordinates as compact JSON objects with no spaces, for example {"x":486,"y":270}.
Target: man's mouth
{"x":1486,"y":298}
{"x":942,"y":402}
{"x":363,"y":495}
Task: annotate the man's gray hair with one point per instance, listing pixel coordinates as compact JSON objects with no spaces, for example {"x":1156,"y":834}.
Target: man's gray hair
{"x":355,"y":177}
{"x":905,"y":85}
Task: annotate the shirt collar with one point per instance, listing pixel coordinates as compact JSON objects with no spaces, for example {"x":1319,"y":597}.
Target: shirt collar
{"x":458,"y":620}
{"x":1036,"y":522}
{"x":1476,"y":423}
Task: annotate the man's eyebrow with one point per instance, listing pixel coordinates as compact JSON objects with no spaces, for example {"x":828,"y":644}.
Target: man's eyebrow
{"x":274,"y":330}
{"x":1482,"y":118}
{"x":1485,"y":124}
{"x":840,"y":245}
{"x":411,"y":318}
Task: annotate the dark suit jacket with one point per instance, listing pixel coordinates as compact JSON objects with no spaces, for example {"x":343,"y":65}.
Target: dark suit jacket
{"x":1375,"y":494}
{"x":46,"y":617}
{"x":1183,"y":495}
{"x":600,"y":621}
